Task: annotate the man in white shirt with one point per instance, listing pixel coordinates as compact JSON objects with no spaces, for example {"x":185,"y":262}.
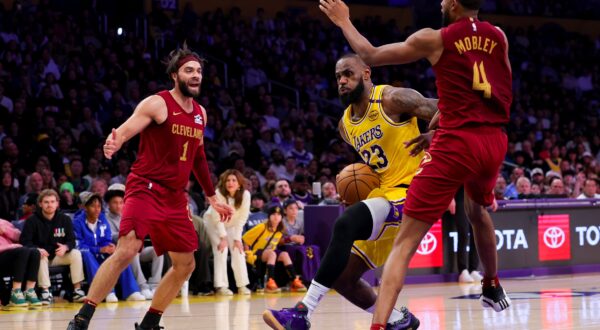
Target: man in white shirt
{"x":589,"y":189}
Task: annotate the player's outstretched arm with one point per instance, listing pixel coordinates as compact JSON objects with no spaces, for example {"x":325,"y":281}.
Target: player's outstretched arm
{"x":424,"y":43}
{"x":408,"y":101}
{"x":151,"y":108}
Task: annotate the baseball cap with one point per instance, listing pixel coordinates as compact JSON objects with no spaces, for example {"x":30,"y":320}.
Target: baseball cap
{"x":587,"y":154}
{"x":67,"y":186}
{"x":553,"y":173}
{"x":537,"y":170}
{"x":117,"y":186}
{"x":274,"y":208}
{"x":88,"y":197}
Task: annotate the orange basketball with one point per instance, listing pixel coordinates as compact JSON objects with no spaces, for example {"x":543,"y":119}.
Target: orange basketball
{"x":355,"y":182}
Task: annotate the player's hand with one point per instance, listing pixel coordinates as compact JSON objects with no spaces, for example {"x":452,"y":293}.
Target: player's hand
{"x":222,"y":244}
{"x":238,"y":245}
{"x":452,"y":206}
{"x":224,"y":210}
{"x":494,"y":205}
{"x":336,"y":10}
{"x":112,"y":144}
{"x":419,"y":143}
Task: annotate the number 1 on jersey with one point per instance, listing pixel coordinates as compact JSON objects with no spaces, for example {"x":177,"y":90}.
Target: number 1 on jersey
{"x":480,"y":82}
{"x":183,"y":157}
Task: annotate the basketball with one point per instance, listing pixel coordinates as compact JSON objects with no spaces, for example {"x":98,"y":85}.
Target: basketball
{"x":355,"y":182}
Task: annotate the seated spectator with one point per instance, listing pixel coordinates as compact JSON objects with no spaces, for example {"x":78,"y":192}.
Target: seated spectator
{"x":557,"y":188}
{"x":294,"y":226}
{"x":94,"y":240}
{"x":257,"y":216}
{"x":589,"y":189}
{"x":21,"y":263}
{"x":114,"y":199}
{"x":9,"y":198}
{"x":263,"y":240}
{"x":500,"y":188}
{"x":28,"y":209}
{"x":330,"y":196}
{"x":281,"y":192}
{"x":301,"y":191}
{"x":523,"y":188}
{"x":511,"y":189}
{"x":537,"y":176}
{"x":68,"y":200}
{"x":228,"y":236}
{"x":52,"y":233}
{"x":76,"y":178}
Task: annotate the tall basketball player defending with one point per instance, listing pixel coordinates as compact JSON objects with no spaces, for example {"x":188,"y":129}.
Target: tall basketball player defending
{"x":474,"y":82}
{"x":377,"y":120}
{"x":171,"y":125}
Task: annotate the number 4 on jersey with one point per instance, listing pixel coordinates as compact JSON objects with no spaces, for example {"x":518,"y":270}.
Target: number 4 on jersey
{"x":480,"y":82}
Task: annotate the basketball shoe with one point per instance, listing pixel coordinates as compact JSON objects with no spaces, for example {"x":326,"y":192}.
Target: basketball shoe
{"x":494,"y":297}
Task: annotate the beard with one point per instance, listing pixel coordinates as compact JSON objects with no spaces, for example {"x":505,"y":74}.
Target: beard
{"x":354,"y":95}
{"x":183,"y":87}
{"x":446,"y":20}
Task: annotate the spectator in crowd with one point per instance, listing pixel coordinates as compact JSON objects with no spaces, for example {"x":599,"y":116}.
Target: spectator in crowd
{"x":76,"y":178}
{"x":28,"y":208}
{"x":301,"y":190}
{"x":9,"y":198}
{"x":299,"y":153}
{"x":123,"y":170}
{"x":93,"y":171}
{"x":68,"y":200}
{"x":523,"y":188}
{"x":21,"y":263}
{"x":330,"y":196}
{"x":114,"y":201}
{"x":262,"y":241}
{"x":94,"y":241}
{"x":294,"y":226}
{"x":289,"y":171}
{"x":511,"y":189}
{"x":557,"y":187}
{"x":281,"y":192}
{"x":257,"y":215}
{"x":589,"y":189}
{"x":500,"y":188}
{"x":227,"y":237}
{"x":51,"y":232}
{"x":33,"y":184}
{"x":537,"y":176}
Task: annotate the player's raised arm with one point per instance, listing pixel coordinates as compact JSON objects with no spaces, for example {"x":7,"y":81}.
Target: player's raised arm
{"x":149,"y":109}
{"x":425,"y":43}
{"x":408,"y":101}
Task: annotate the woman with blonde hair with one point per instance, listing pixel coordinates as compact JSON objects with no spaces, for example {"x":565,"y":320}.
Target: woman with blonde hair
{"x":228,"y":236}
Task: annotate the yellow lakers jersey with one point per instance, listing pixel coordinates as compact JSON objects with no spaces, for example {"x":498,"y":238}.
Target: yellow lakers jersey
{"x":380,"y":141}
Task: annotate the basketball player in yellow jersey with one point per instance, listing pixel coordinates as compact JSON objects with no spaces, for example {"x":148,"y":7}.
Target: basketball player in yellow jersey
{"x":377,"y":121}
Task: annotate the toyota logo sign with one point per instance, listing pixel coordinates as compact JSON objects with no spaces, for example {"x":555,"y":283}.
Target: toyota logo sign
{"x":428,"y":244}
{"x":554,"y":237}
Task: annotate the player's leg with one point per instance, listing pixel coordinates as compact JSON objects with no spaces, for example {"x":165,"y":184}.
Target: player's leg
{"x":493,"y":295}
{"x":104,"y":281}
{"x":169,"y":286}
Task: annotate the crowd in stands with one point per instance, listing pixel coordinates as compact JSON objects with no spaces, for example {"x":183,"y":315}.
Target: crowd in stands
{"x":64,"y":85}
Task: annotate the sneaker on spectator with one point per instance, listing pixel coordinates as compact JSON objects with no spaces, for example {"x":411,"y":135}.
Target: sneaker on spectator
{"x":46,"y":297}
{"x":271,"y":286}
{"x":17,"y":299}
{"x":78,"y":295}
{"x":112,"y":298}
{"x":297,"y":286}
{"x":223,"y":291}
{"x":147,"y":293}
{"x":244,"y":291}
{"x":476,"y":276}
{"x":136,"y":296}
{"x":465,"y":277}
{"x":32,"y":298}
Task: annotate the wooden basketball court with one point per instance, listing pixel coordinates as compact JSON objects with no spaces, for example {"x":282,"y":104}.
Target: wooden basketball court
{"x":557,"y":302}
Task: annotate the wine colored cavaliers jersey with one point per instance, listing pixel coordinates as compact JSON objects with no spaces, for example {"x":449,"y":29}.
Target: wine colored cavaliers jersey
{"x":167,"y":151}
{"x":473,"y":78}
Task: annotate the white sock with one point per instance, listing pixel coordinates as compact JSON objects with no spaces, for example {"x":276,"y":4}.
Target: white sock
{"x":395,"y":316}
{"x":314,"y":294}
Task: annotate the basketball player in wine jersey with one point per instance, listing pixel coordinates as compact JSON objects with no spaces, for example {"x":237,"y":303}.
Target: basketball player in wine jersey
{"x":171,"y":125}
{"x":474,"y":83}
{"x":377,"y":119}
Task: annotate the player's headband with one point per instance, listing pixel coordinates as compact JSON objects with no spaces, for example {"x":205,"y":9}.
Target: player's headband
{"x":188,"y":58}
